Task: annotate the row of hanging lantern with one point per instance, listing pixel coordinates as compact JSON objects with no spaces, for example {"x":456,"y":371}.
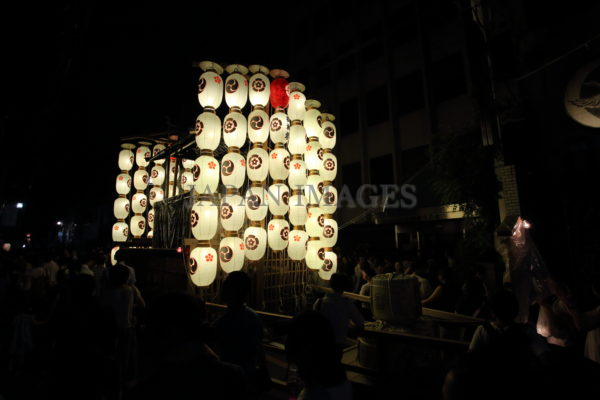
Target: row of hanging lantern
{"x":308,"y":200}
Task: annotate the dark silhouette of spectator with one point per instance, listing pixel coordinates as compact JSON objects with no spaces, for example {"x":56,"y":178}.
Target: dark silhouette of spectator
{"x":311,"y":346}
{"x":446,"y":294}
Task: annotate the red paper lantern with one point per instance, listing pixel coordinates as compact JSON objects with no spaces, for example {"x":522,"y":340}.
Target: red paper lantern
{"x":279,"y":93}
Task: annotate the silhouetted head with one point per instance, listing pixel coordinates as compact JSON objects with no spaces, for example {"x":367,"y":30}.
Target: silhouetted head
{"x":236,"y":289}
{"x":338,"y":282}
{"x":118,"y":275}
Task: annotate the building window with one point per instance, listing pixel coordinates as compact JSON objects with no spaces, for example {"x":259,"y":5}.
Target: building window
{"x":377,"y":105}
{"x":404,"y":26}
{"x":346,"y":65}
{"x":373,"y":51}
{"x":414,"y":159}
{"x":409,"y":93}
{"x":352,"y":177}
{"x":382,"y":170}
{"x":448,"y":78}
{"x":348,"y":117}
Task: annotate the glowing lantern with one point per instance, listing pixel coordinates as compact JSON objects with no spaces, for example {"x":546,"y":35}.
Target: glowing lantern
{"x":330,"y":231}
{"x":126,"y":157}
{"x":329,"y":198}
{"x":279,"y":89}
{"x":233,"y":169}
{"x":296,"y":106}
{"x":231,"y":254}
{"x":204,"y":220}
{"x":314,"y":189}
{"x":256,"y":203}
{"x":151,"y":218}
{"x":150,"y":234}
{"x":208,"y":131}
{"x":235,"y":128}
{"x":278,"y":231}
{"x":297,"y":178}
{"x":313,"y":119}
{"x":255,"y":242}
{"x":297,"y":140}
{"x":315,"y":254}
{"x":236,"y":86}
{"x":329,"y":266}
{"x":297,"y":244}
{"x":257,"y":164}
{"x":138,"y":225}
{"x":141,"y":155}
{"x":279,"y":127}
{"x":159,"y":147}
{"x":121,"y":208}
{"x":140,"y":179}
{"x":187,"y":180}
{"x":206,"y":174}
{"x":313,"y":155}
{"x":210,"y":85}
{"x":113,"y":252}
{"x":260,"y":86}
{"x":315,"y":222}
{"x":258,"y":126}
{"x":203,"y":266}
{"x":327,"y":138}
{"x":279,"y":163}
{"x":123,"y":184}
{"x":279,"y":197}
{"x":298,"y":213}
{"x":232,"y":212}
{"x":139,"y":202}
{"x":328,"y":170}
{"x":158,"y":175}
{"x":120,"y":232}
{"x":156,"y":194}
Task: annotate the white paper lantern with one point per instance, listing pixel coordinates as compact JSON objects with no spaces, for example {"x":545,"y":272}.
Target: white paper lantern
{"x":279,"y":164}
{"x":313,"y":122}
{"x":150,"y":234}
{"x":297,"y":178}
{"x":279,"y":199}
{"x":125,"y":160}
{"x":255,"y":243}
{"x":329,"y":199}
{"x":236,"y":87}
{"x":235,"y":129}
{"x":329,"y":266}
{"x":232,"y":212}
{"x":327,"y":138}
{"x":279,"y":127}
{"x":188,"y":163}
{"x":231,"y":254}
{"x":121,"y":208}
{"x":297,"y":244}
{"x":120,"y":232}
{"x":260,"y":86}
{"x":172,"y":169}
{"x":257,"y":164}
{"x":139,"y":202}
{"x":204,"y":220}
{"x":203,"y":266}
{"x":141,"y":155}
{"x":138,"y":225}
{"x":256,"y":203}
{"x":315,"y":222}
{"x":314,"y":189}
{"x":328,"y":170}
{"x":151,"y":218}
{"x":113,"y":252}
{"x":278,"y":231}
{"x":210,"y":90}
{"x":206,"y":174}
{"x":140,"y":179}
{"x":296,"y":106}
{"x":297,"y":139}
{"x":258,"y":126}
{"x":208,"y":131}
{"x":158,"y":175}
{"x":157,"y":149}
{"x":313,"y":155}
{"x":187,"y":180}
{"x":330,"y":231}
{"x":156,"y":194}
{"x":233,"y":170}
{"x":123,"y":184}
{"x":315,"y":254}
{"x":298,"y":213}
